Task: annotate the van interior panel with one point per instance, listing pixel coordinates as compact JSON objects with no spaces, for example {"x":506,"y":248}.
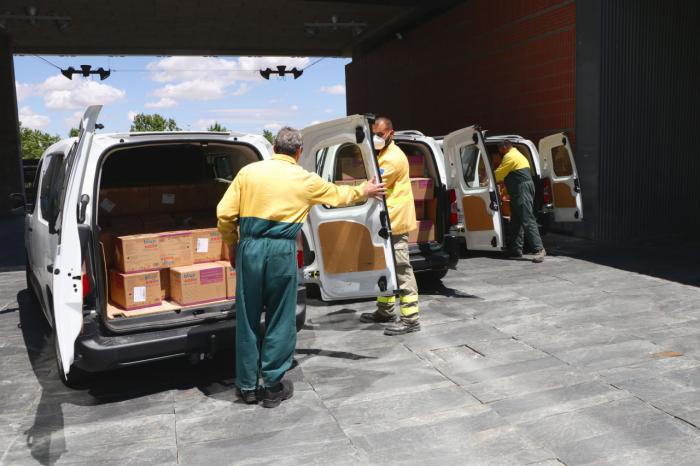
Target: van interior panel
{"x":347,"y":247}
{"x":476,"y":214}
{"x":563,"y":197}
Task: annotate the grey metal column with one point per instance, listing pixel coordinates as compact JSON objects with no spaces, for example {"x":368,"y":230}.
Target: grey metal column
{"x":11,"y":175}
{"x":588,"y":56}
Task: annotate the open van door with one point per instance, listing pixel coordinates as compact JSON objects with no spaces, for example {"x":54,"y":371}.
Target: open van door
{"x":67,"y":285}
{"x":471,"y":176}
{"x":558,"y":164}
{"x":354,"y":257}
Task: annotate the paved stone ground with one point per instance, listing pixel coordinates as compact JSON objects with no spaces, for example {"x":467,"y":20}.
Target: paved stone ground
{"x":590,"y":358}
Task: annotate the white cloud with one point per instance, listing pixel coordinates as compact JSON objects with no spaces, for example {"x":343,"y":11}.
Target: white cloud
{"x":208,"y":78}
{"x":315,"y":122}
{"x":23,"y":90}
{"x":131,"y":115}
{"x":294,"y":108}
{"x":335,"y":89}
{"x":73,"y":121}
{"x":60,"y":93}
{"x":329,"y":110}
{"x":164,"y":102}
{"x":32,"y":120}
{"x":273,"y":126}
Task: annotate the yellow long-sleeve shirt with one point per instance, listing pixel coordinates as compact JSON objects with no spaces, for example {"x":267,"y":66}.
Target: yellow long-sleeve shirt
{"x":272,"y":198}
{"x":512,"y":161}
{"x":393,"y":166}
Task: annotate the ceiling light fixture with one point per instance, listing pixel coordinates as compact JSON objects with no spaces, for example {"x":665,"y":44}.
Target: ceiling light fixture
{"x":86,"y":71}
{"x":356,"y":27}
{"x":281,"y":71}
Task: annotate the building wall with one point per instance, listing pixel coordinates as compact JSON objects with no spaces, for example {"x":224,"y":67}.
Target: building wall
{"x":11,"y":177}
{"x":507,"y":65}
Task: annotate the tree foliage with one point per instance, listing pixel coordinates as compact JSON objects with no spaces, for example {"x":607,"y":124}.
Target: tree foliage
{"x":144,"y":122}
{"x":73,"y":133}
{"x":218,"y":127}
{"x":267,"y":134}
{"x":34,"y":142}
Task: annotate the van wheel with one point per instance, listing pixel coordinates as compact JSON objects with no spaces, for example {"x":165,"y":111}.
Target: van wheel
{"x":76,"y":378}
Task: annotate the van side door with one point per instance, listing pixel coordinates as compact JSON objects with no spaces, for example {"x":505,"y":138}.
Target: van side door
{"x":559,"y":165}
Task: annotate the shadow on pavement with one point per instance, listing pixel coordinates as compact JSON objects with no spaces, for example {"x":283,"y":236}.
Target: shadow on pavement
{"x":11,"y":243}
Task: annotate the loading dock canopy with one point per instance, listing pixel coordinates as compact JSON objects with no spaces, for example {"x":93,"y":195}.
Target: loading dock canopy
{"x":159,"y":27}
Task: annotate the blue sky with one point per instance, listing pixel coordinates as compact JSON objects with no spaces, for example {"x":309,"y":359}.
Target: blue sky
{"x":195,"y":91}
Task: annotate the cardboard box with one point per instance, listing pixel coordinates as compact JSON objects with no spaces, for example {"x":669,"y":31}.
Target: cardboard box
{"x":424,"y":233}
{"x":225,"y":252}
{"x":230,"y":274}
{"x":206,"y":245}
{"x":135,"y":290}
{"x":198,"y":284}
{"x":137,"y":253}
{"x":165,"y":199}
{"x":416,"y":166}
{"x":352,"y":168}
{"x":164,"y":283}
{"x":422,"y":188}
{"x":157,"y":223}
{"x":420,"y":208}
{"x":115,"y":202}
{"x":175,"y":248}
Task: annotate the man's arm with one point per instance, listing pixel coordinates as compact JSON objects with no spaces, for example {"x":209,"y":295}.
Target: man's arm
{"x":507,"y":165}
{"x":228,"y":212}
{"x":323,"y":192}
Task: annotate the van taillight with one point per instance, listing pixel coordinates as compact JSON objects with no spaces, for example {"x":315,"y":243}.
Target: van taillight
{"x":546,"y":191}
{"x":300,"y":258}
{"x":454,"y":218}
{"x":86,"y":286}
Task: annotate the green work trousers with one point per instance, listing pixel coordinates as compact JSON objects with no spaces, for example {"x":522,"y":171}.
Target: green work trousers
{"x":523,"y":225}
{"x":266,"y":274}
{"x":408,"y":296}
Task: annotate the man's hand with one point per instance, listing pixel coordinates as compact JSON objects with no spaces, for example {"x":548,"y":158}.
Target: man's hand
{"x":232,"y":254}
{"x":374,"y":189}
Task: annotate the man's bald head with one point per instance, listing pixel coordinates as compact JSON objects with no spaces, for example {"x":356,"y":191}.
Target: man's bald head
{"x":384,"y":121}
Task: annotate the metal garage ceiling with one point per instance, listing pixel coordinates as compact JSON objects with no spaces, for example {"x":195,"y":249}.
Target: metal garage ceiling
{"x":166,"y":27}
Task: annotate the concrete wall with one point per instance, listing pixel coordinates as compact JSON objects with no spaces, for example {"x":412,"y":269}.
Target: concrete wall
{"x":506,"y":65}
{"x":11,"y":179}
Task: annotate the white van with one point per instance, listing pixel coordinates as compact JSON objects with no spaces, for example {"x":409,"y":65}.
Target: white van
{"x":66,"y":260}
{"x":484,"y":210}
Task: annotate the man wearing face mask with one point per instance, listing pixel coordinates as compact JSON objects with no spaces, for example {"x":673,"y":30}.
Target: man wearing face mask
{"x":393,"y":166}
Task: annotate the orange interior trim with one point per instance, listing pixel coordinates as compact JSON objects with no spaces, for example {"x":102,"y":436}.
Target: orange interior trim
{"x":476,"y":214}
{"x":563,"y":197}
{"x":347,"y":247}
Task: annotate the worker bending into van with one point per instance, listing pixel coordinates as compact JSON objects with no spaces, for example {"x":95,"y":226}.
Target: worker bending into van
{"x":393,"y":167}
{"x":268,"y":201}
{"x":514,"y":169}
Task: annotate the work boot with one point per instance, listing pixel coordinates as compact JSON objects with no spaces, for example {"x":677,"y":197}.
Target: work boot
{"x":249,"y":397}
{"x":377,"y":317}
{"x":276,"y":394}
{"x":404,"y":326}
{"x":512,"y":254}
{"x":539,"y":256}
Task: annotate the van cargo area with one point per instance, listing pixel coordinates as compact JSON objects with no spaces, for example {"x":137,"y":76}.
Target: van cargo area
{"x":161,"y":260}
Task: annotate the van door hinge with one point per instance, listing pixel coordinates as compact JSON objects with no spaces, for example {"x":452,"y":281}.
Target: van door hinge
{"x":384,"y":232}
{"x":382,"y":283}
{"x":494,"y":242}
{"x":359,"y":134}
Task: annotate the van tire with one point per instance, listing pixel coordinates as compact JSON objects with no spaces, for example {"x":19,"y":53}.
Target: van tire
{"x":76,"y":378}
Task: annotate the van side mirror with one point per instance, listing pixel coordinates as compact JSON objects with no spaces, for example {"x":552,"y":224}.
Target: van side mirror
{"x":17,"y":200}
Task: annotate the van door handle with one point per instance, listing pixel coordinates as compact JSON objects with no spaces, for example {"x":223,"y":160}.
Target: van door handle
{"x":49,"y":268}
{"x":30,"y":229}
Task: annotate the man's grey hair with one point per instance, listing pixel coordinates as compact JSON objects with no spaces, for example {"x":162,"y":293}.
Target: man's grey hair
{"x":288,"y":141}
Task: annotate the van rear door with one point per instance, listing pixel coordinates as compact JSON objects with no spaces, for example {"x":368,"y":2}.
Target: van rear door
{"x":67,"y":285}
{"x":354,"y":257}
{"x":559,"y":166}
{"x":470,"y":175}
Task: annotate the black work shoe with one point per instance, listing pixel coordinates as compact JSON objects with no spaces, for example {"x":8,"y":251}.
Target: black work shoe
{"x":376,"y":318}
{"x":514,"y":254}
{"x":275,"y":395}
{"x":248,"y":396}
{"x":404,"y":326}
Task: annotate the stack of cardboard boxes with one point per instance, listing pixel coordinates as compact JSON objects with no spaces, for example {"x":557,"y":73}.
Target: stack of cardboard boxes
{"x":424,"y":198}
{"x":156,"y":259}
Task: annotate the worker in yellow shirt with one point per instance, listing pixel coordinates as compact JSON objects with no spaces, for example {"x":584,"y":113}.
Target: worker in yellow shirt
{"x":514,"y":169}
{"x":268,"y":202}
{"x":393,"y":167}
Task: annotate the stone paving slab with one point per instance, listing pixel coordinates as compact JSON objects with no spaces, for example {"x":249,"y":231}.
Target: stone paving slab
{"x":592,"y":357}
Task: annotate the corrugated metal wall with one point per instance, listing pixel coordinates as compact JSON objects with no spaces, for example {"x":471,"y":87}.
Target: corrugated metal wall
{"x":649,"y":165}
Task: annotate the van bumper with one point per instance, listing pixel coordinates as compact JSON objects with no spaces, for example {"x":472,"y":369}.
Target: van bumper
{"x":435,"y":256}
{"x":98,"y":352}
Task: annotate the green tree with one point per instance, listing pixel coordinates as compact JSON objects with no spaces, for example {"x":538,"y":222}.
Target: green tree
{"x":143,"y":122}
{"x":217,"y":127}
{"x":267,"y":134}
{"x":73,"y":133}
{"x":34,"y":142}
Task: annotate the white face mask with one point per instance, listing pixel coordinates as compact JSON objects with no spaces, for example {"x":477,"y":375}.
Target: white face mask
{"x":379,"y":142}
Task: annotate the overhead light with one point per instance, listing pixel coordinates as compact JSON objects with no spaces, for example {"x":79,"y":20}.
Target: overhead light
{"x":31,"y":12}
{"x":281,"y":71}
{"x":356,"y":27}
{"x":86,"y":71}
{"x":62,"y":25}
{"x":68,"y":73}
{"x":399,"y":36}
{"x":310,"y":31}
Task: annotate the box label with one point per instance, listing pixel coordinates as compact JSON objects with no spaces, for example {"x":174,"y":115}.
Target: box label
{"x":168,"y":198}
{"x":202,"y":245}
{"x":107,"y":205}
{"x":139,"y":294}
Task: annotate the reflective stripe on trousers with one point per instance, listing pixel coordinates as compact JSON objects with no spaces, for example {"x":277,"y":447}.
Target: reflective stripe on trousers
{"x":408,"y":295}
